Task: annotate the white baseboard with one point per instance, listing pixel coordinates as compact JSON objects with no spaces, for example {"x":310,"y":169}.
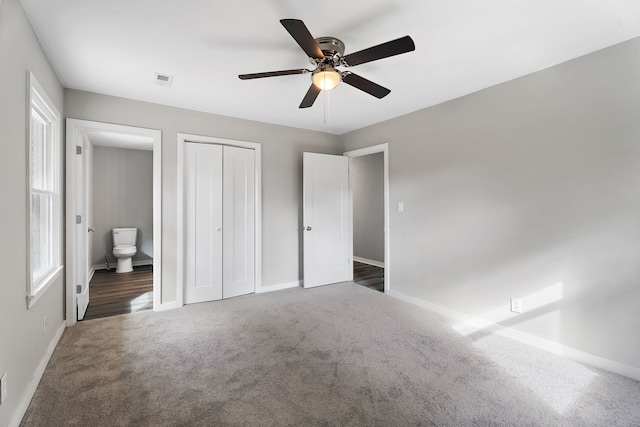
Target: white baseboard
{"x":278,"y":287}
{"x":113,"y":264}
{"x":35,"y":379}
{"x":602,"y":363}
{"x":166,"y":306}
{"x":532,"y":340}
{"x":92,"y":271}
{"x":174,"y":304}
{"x":369,"y":261}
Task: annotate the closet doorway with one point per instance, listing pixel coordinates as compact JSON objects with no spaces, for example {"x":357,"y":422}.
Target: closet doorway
{"x":219,"y":203}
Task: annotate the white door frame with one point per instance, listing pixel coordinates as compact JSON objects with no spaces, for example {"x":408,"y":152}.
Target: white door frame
{"x":76,"y":132}
{"x":380,"y":148}
{"x":183,"y":139}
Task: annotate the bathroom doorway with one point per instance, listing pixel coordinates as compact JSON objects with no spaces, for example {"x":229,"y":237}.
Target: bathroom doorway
{"x":84,"y":140}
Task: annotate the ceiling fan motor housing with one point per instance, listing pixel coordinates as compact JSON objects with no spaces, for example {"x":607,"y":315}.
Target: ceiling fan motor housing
{"x":331,"y":46}
{"x":326,"y":76}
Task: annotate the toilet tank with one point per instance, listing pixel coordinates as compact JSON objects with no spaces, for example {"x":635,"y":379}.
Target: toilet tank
{"x":124,"y":236}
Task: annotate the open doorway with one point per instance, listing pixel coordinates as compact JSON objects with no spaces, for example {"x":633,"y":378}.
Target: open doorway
{"x":99,"y":157}
{"x":369,"y":194}
{"x":120,"y":191}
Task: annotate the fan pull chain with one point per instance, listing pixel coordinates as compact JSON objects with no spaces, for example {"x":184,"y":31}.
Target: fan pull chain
{"x":326,"y":110}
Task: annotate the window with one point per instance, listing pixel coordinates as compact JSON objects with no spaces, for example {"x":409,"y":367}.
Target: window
{"x":44,"y":191}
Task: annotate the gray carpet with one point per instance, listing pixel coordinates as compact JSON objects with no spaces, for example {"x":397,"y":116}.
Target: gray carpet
{"x":339,"y":355}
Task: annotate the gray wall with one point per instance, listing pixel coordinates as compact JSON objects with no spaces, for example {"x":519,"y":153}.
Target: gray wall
{"x":367,"y":177}
{"x":23,"y":340}
{"x":122,"y":194}
{"x":524,"y":186}
{"x":282,"y":149}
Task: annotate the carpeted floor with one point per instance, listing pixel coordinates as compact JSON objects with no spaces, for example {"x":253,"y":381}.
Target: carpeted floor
{"x":339,"y":355}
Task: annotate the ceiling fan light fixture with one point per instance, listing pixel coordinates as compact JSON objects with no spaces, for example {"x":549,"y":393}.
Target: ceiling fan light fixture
{"x":326,"y":79}
{"x":327,"y":53}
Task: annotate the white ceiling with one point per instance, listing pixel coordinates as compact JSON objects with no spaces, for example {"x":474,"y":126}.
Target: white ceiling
{"x":114,"y":47}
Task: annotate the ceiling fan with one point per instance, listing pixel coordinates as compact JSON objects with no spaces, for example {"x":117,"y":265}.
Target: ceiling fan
{"x":327,"y":53}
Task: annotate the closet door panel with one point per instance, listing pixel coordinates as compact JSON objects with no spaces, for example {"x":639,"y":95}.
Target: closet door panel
{"x":204,"y":222}
{"x":238,"y":209}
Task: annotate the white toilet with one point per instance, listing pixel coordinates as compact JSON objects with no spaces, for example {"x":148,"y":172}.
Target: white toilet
{"x":124,"y":248}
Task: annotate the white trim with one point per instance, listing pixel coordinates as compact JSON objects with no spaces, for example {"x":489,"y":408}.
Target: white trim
{"x":157,"y":220}
{"x":380,"y":148}
{"x":602,"y":363}
{"x":180,"y":222}
{"x":279,"y":287}
{"x":350,"y":214}
{"x":532,"y":340}
{"x":76,"y":129}
{"x":369,"y":261}
{"x":183,"y":138}
{"x":48,"y":280}
{"x":167,"y":306}
{"x":40,"y":102}
{"x":35,"y":379}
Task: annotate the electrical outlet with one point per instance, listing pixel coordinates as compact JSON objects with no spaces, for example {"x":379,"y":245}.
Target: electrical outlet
{"x":3,"y":388}
{"x":44,"y":325}
{"x":516,"y":305}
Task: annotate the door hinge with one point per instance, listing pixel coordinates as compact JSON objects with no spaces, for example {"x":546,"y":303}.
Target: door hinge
{"x":78,"y":289}
{"x":78,"y":149}
{"x":78,"y":219}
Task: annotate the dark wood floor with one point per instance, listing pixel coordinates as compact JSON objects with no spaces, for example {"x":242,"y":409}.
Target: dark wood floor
{"x":368,"y":275}
{"x":112,"y":293}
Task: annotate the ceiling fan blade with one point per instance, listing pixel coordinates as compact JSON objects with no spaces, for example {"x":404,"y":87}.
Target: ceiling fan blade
{"x":394,"y":47}
{"x":301,"y":34}
{"x":272,"y":74}
{"x":365,"y":85}
{"x":310,"y":97}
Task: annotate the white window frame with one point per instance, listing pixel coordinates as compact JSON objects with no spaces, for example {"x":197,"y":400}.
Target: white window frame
{"x":49,"y":117}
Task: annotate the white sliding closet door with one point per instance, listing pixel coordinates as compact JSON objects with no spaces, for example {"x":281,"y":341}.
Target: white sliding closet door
{"x":238,"y":213}
{"x":203,"y":248}
{"x":219,"y":216}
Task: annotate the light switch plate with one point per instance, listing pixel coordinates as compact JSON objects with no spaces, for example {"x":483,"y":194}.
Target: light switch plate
{"x":400,"y":206}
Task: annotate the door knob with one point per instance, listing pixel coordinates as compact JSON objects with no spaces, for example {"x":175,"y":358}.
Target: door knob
{"x":308,"y":228}
{"x":90,"y":230}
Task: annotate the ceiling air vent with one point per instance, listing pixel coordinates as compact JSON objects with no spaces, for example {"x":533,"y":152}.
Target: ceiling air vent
{"x":163,"y":79}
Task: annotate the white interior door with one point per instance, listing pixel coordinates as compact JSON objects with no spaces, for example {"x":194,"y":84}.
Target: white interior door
{"x":327,"y":232}
{"x":81,"y":230}
{"x":238,"y":269}
{"x":203,"y":217}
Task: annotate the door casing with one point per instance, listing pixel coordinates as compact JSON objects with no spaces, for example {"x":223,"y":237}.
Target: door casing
{"x":75,"y":136}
